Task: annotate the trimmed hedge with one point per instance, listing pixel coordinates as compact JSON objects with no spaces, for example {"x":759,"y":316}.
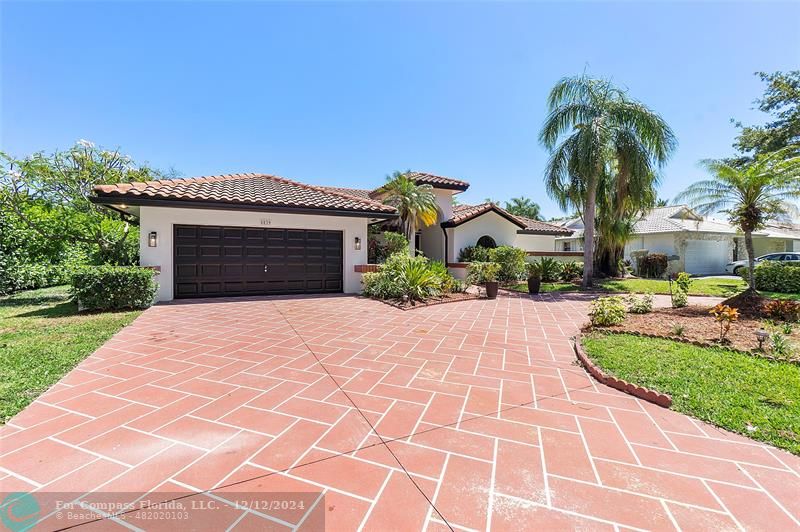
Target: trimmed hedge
{"x":113,"y":287}
{"x":774,"y":276}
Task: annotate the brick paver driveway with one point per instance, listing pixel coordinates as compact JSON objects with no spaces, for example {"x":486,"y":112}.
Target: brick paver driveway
{"x":469,"y":415}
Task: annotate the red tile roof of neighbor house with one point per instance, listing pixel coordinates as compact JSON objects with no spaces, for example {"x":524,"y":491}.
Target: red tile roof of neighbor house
{"x":464,"y":213}
{"x":243,"y":189}
{"x":438,"y":181}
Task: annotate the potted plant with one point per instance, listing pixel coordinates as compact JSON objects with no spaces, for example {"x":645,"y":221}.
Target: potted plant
{"x":484,"y":273}
{"x":534,"y":277}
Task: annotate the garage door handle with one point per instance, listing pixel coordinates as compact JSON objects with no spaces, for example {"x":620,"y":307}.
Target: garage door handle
{"x":265,"y":268}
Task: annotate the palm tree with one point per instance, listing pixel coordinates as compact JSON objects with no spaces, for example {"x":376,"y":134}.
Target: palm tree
{"x":416,"y":204}
{"x":523,"y":206}
{"x":751,"y":194}
{"x":595,"y":133}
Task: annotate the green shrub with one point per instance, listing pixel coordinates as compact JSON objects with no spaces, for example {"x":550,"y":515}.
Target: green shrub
{"x":550,"y":268}
{"x":113,"y":287}
{"x":607,"y":311}
{"x":640,"y":304}
{"x":571,"y":271}
{"x":414,"y":277}
{"x":775,"y":277}
{"x":534,"y":270}
{"x":392,"y":243}
{"x":680,"y":299}
{"x":653,"y":265}
{"x":684,"y":281}
{"x":511,"y":261}
{"x":473,"y":254}
{"x":482,"y":272}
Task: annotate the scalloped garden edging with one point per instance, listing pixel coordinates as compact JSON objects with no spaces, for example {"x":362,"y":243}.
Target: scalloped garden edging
{"x":660,"y":399}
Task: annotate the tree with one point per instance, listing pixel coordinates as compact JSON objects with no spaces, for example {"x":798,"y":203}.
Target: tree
{"x":61,"y":184}
{"x":416,"y":204}
{"x":523,"y":206}
{"x":751,"y":194}
{"x":782,"y":101}
{"x":597,"y":134}
{"x":662,"y":202}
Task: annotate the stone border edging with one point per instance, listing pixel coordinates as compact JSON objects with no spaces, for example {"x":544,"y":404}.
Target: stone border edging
{"x":660,"y":399}
{"x":418,"y":305}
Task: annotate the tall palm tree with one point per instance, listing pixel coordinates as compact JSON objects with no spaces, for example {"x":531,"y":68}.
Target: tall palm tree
{"x":751,"y":195}
{"x":523,"y":206}
{"x":416,"y":204}
{"x":596,"y":133}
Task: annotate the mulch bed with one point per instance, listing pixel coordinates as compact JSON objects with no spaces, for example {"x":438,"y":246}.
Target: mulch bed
{"x":698,"y":327}
{"x":447,"y":298}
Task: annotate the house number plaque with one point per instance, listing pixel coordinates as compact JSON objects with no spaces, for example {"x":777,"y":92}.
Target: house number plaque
{"x":266,"y":221}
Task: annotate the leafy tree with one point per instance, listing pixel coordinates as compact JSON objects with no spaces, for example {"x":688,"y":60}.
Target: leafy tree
{"x":416,"y":204}
{"x":662,"y":202}
{"x":523,"y":206}
{"x":782,"y":101}
{"x":490,"y":200}
{"x":751,"y":194}
{"x":599,"y":136}
{"x":60,"y":184}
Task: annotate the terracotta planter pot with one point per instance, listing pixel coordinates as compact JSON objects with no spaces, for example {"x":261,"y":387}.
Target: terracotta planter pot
{"x":491,"y":289}
{"x":534,"y":283}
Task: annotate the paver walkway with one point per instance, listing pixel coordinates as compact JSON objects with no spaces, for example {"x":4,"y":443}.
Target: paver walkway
{"x":470,"y":415}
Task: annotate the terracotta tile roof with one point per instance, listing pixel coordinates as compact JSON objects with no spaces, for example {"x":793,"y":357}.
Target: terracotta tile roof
{"x":464,"y":213}
{"x":243,"y":189}
{"x":438,"y":181}
{"x":357,"y":192}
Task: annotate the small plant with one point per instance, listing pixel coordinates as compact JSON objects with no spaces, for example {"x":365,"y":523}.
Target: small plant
{"x":725,"y":316}
{"x":571,"y":271}
{"x":480,"y":273}
{"x":680,"y":299}
{"x":607,"y":311}
{"x":783,"y":309}
{"x":779,"y":345}
{"x":787,"y":328}
{"x":678,"y":329}
{"x":684,"y":281}
{"x":534,"y":270}
{"x":640,"y":304}
{"x":679,"y":290}
{"x":551,"y":269}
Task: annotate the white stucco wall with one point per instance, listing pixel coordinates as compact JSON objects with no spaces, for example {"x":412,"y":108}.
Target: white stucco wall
{"x":536,"y":242}
{"x":161,"y":220}
{"x":467,"y":234}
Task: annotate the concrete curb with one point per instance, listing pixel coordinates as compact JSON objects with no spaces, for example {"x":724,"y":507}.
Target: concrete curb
{"x":660,"y":399}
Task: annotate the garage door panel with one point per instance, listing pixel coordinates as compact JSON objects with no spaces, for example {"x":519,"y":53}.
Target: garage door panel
{"x":226,"y":261}
{"x":706,"y":256}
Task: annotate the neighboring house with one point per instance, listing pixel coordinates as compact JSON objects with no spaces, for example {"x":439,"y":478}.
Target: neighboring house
{"x":695,"y":244}
{"x":256,"y":234}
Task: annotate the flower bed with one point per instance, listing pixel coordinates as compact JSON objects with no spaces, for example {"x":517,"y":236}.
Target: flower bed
{"x":694,"y":324}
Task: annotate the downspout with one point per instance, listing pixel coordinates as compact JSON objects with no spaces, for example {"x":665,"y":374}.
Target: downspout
{"x":446,"y":246}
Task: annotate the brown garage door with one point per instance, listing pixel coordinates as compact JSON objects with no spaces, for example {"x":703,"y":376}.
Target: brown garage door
{"x":236,"y":261}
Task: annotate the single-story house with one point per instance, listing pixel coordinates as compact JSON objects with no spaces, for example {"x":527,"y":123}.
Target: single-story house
{"x":695,"y":244}
{"x":256,"y":234}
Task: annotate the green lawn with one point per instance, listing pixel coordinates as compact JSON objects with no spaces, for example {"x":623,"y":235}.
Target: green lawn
{"x":722,"y":287}
{"x":42,"y":337}
{"x":749,"y":395}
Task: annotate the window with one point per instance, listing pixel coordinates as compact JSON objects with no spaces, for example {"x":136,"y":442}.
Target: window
{"x":486,"y":242}
{"x":567,"y":246}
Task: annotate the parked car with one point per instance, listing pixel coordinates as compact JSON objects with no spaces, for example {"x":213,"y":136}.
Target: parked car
{"x":735,"y":267}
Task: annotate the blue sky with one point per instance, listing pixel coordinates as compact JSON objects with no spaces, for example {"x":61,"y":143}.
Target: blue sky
{"x":345,"y":93}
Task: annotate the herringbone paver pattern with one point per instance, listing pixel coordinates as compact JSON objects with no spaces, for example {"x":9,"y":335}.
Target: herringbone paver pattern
{"x":470,"y":415}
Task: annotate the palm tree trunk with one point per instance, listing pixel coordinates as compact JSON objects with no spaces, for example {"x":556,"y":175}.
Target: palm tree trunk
{"x":588,"y":233}
{"x":751,"y":259}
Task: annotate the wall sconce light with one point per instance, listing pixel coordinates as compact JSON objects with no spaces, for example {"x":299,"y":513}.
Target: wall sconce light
{"x":357,"y":244}
{"x":152,"y":239}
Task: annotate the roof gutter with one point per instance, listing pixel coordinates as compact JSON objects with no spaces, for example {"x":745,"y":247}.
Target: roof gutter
{"x":110,"y":201}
